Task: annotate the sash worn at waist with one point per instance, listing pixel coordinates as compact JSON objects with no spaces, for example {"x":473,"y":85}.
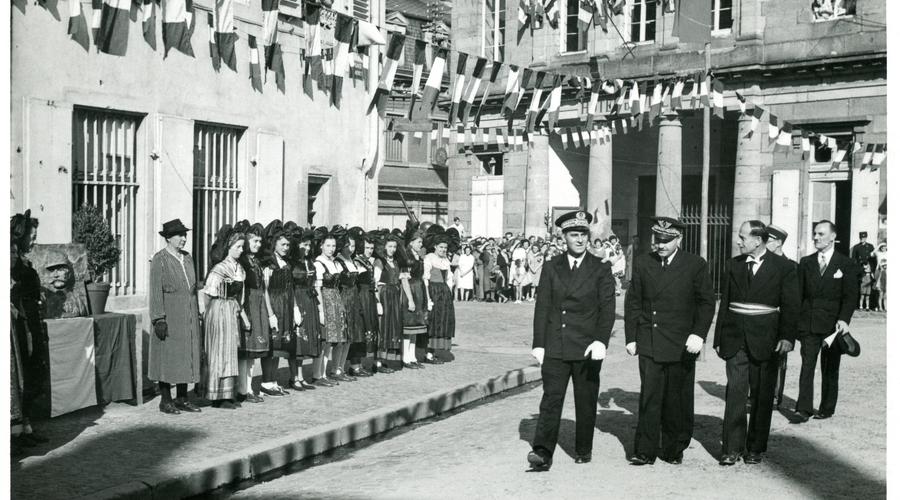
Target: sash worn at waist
{"x":751,"y":309}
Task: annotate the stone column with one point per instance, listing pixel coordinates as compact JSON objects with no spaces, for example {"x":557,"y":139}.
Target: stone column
{"x":537,"y":186}
{"x":599,"y":188}
{"x":668,"y":169}
{"x":751,"y":189}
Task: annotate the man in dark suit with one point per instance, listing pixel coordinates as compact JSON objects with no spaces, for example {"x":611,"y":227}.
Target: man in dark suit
{"x":757,"y":318}
{"x":829,"y":287}
{"x":777,"y":237}
{"x":573,"y":319}
{"x":668,"y":310}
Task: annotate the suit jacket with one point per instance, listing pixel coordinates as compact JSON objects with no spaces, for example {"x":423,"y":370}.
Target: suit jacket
{"x":775,"y":284}
{"x":574,"y":309}
{"x":827,"y":298}
{"x":862,"y":253}
{"x":662,"y":308}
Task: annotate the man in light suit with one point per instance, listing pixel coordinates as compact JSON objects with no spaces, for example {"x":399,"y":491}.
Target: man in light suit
{"x":668,"y":310}
{"x":573,"y":319}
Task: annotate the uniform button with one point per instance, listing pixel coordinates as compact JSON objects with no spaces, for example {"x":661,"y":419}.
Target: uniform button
{"x":563,"y":325}
{"x":654,"y":312}
{"x":564,"y":312}
{"x":654,"y":325}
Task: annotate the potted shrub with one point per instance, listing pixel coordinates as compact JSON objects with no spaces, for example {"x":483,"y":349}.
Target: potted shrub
{"x":90,"y":228}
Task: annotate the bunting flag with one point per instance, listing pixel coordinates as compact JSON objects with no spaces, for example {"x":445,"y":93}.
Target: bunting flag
{"x":324,"y":83}
{"x":867,"y":156}
{"x":343,"y":32}
{"x":457,"y":85}
{"x":718,"y":98}
{"x":773,"y":126}
{"x":601,"y":14}
{"x":526,"y":78}
{"x":635,"y":99}
{"x":511,"y":95}
{"x":112,"y":34}
{"x":273,"y":55}
{"x":315,"y":69}
{"x":555,"y":103}
{"x":624,"y":124}
{"x":585,"y":15}
{"x":535,"y":102}
{"x":386,"y":82}
{"x":495,"y":70}
{"x":148,"y":21}
{"x":500,"y":138}
{"x":255,"y":71}
{"x":804,"y":145}
{"x":77,"y":23}
{"x":704,"y":90}
{"x":213,"y":49}
{"x":754,"y":121}
{"x":695,"y":90}
{"x":742,"y":101}
{"x":519,"y":142}
{"x":677,"y":89}
{"x":594,"y":100}
{"x":418,"y":65}
{"x":837,"y":158}
{"x":879,"y":155}
{"x":524,"y":16}
{"x":223,"y":17}
{"x":656,"y":101}
{"x":432,"y":86}
{"x":783,"y":142}
{"x":565,"y":138}
{"x":96,"y":17}
{"x":857,"y":146}
{"x":666,"y":96}
{"x":474,"y":86}
{"x":617,"y":7}
{"x":537,"y":15}
{"x":551,"y":9}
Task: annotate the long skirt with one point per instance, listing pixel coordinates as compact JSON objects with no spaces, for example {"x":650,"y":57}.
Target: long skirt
{"x":391,"y":331}
{"x":307,"y":335}
{"x":222,"y":336}
{"x":442,"y":318}
{"x":368,"y":305}
{"x":282,"y":344}
{"x":414,"y":323}
{"x":352,"y":307}
{"x":255,"y":342}
{"x":335,"y":328}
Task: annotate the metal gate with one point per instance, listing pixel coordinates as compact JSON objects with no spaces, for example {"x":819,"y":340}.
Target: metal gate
{"x":718,"y":234}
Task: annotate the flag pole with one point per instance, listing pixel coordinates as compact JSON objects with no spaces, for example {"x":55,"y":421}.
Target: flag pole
{"x":704,"y":189}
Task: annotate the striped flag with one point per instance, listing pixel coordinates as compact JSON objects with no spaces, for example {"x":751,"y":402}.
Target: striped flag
{"x":495,"y":70}
{"x":555,"y":102}
{"x":635,"y":99}
{"x":112,"y":34}
{"x":524,"y":16}
{"x":704,"y":90}
{"x":520,"y":144}
{"x":315,"y":69}
{"x":223,"y":18}
{"x":534,"y":107}
{"x":677,"y":90}
{"x":755,"y":119}
{"x":837,"y":158}
{"x":148,"y":22}
{"x":343,"y":32}
{"x":325,"y":82}
{"x":879,"y":155}
{"x":564,"y":137}
{"x":867,"y":156}
{"x":551,"y":9}
{"x":213,"y":49}
{"x":472,"y":92}
{"x":96,"y":16}
{"x":804,"y":145}
{"x":178,"y":26}
{"x":77,"y":28}
{"x":783,"y":142}
{"x":432,"y":86}
{"x":656,"y":101}
{"x":666,"y":96}
{"x":458,"y":84}
{"x":585,"y":15}
{"x":718,"y":98}
{"x":274,"y":60}
{"x":695,"y":89}
{"x":500,"y":138}
{"x":526,"y":77}
{"x":386,"y":82}
{"x":773,"y":126}
{"x":743,"y":102}
{"x":507,"y":141}
{"x":594,"y":100}
{"x":255,"y":70}
{"x":511,"y":95}
{"x":418,"y":65}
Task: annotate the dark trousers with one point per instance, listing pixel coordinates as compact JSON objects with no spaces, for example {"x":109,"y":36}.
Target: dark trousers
{"x":810,"y":345}
{"x":585,"y":375}
{"x":782,"y":374}
{"x":747,"y":375}
{"x":666,"y":408}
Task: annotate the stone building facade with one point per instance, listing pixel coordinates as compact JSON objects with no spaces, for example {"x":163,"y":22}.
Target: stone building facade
{"x":825,"y":74}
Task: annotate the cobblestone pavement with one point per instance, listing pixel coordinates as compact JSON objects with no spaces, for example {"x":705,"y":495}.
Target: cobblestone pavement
{"x":96,"y":448}
{"x":480,"y":453}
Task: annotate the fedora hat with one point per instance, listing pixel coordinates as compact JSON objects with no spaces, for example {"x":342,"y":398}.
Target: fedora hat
{"x":173,"y":227}
{"x":848,"y":345}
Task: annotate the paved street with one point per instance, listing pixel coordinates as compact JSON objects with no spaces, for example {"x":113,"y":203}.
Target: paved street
{"x":480,"y":453}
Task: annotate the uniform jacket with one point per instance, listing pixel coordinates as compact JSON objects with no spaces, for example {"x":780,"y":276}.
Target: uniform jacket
{"x":774,"y":284}
{"x":662,"y":308}
{"x":574,"y":309}
{"x":862,"y":252}
{"x":827,"y":298}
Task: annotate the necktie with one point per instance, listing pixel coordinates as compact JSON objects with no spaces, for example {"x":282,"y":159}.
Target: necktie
{"x":822,"y":264}
{"x":574,"y":265}
{"x":665,"y":264}
{"x":749,"y":271}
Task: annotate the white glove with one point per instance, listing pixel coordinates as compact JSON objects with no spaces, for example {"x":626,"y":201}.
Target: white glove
{"x":430,"y":304}
{"x":631,"y":348}
{"x":694,"y":344}
{"x":841,"y":327}
{"x":538,"y":353}
{"x":273,"y":322}
{"x":379,"y":308}
{"x":298,"y":318}
{"x":597,"y":350}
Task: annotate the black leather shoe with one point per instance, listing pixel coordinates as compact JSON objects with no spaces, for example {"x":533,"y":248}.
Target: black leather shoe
{"x":170,"y":408}
{"x":822,"y":416}
{"x":539,"y":461}
{"x":272,"y":392}
{"x":358,"y":373}
{"x":185,"y":405}
{"x":433,"y":361}
{"x":297,"y":386}
{"x":306,"y":385}
{"x":343,"y":377}
{"x":801,"y":417}
{"x":225,"y":404}
{"x":641,"y":459}
{"x":384,"y":369}
{"x":250,"y":398}
{"x":676,"y":460}
{"x":753,"y":458}
{"x":583,"y":459}
{"x":321,"y":382}
{"x":411,"y":366}
{"x":729,"y":459}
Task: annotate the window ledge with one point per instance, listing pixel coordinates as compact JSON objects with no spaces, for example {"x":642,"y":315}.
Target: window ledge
{"x":721,"y":33}
{"x":834,"y":18}
{"x":638,"y":44}
{"x":573,"y":53}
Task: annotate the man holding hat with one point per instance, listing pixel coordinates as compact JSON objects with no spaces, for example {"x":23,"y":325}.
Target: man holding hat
{"x":777,"y":237}
{"x":668,"y":310}
{"x":573,"y":319}
{"x":756,"y":323}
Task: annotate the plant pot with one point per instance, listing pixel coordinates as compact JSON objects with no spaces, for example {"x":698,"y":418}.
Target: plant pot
{"x":97,"y":294}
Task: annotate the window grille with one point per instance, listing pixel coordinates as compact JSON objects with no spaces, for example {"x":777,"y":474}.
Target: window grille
{"x":216,"y":186}
{"x":104,"y":175}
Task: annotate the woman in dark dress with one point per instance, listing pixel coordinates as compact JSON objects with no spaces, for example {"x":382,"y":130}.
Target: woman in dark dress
{"x":391,"y":287}
{"x":364,"y":259}
{"x":352,"y":309}
{"x":441,"y":311}
{"x":331,"y":306}
{"x":280,"y":286}
{"x":255,"y":340}
{"x":414,"y":302}
{"x":308,"y":332}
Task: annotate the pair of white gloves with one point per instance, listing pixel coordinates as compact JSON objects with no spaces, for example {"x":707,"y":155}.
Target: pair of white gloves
{"x":597,"y":350}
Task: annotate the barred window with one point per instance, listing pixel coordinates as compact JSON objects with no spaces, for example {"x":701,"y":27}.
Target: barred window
{"x":216,"y":186}
{"x":105,"y":175}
